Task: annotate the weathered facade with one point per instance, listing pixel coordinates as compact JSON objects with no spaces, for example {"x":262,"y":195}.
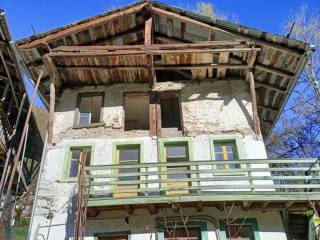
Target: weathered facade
{"x":156,"y":128}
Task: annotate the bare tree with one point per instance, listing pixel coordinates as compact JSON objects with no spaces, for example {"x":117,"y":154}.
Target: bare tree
{"x":209,"y":10}
{"x":297,"y":133}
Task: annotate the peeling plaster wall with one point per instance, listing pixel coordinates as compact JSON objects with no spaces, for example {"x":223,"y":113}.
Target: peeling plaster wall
{"x":57,"y":196}
{"x":219,"y":109}
{"x":207,"y":107}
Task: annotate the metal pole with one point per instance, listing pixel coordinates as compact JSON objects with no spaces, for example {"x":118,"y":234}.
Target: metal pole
{"x":38,"y":184}
{"x":11,"y":145}
{"x":20,"y":169}
{"x":23,"y":135}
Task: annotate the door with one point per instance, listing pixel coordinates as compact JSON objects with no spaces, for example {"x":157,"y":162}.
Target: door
{"x":127,"y":155}
{"x":175,"y":153}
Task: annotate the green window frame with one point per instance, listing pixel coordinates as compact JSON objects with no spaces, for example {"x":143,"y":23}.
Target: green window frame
{"x":67,"y":160}
{"x":122,"y":145}
{"x":112,"y":234}
{"x":201,"y":224}
{"x":76,"y":123}
{"x":248,"y":222}
{"x":236,"y":140}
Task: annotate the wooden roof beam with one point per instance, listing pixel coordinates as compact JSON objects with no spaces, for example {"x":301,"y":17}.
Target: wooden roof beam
{"x":53,"y":72}
{"x":81,"y":27}
{"x":231,"y":33}
{"x":154,"y":51}
{"x":271,"y":87}
{"x":158,"y":67}
{"x":274,"y":70}
{"x":147,"y":42}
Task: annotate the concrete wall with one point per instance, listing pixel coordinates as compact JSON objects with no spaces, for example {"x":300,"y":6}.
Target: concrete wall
{"x":209,"y":110}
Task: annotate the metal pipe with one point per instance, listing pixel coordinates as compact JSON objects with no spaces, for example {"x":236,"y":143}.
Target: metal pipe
{"x":38,"y":184}
{"x":11,"y":144}
{"x":23,"y":135}
{"x":20,"y":169}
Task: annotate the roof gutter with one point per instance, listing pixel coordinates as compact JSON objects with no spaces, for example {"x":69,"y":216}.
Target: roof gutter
{"x":302,"y":64}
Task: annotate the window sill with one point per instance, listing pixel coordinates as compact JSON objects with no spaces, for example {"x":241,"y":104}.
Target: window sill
{"x":68,"y":180}
{"x":91,"y":125}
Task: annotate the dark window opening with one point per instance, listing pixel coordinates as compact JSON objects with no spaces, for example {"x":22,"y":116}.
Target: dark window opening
{"x":180,"y":233}
{"x":136,"y":112}
{"x":240,"y":232}
{"x":170,"y":112}
{"x":89,"y":108}
{"x":76,"y":156}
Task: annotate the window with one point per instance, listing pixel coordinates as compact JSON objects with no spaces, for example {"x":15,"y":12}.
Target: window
{"x":124,"y":237}
{"x":127,"y":155}
{"x":170,"y":112}
{"x":78,"y":155}
{"x":240,"y":229}
{"x":225,"y":151}
{"x":180,"y":233}
{"x":177,"y":153}
{"x":136,"y":107}
{"x":240,"y":232}
{"x":197,"y":230}
{"x":89,"y":109}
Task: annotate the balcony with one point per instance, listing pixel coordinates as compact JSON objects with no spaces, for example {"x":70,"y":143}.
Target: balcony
{"x":255,"y":181}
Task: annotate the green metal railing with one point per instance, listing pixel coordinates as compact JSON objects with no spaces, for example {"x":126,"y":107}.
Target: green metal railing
{"x":255,"y":179}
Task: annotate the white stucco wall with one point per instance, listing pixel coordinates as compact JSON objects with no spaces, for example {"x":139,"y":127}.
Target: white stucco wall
{"x":209,"y":110}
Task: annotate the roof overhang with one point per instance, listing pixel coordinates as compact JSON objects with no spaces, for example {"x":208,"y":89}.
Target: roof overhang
{"x":99,"y":50}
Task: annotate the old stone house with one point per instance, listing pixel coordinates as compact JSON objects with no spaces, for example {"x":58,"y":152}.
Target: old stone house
{"x":156,"y":129}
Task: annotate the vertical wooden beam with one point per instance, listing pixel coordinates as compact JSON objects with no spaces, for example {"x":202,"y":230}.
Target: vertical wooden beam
{"x":223,"y":58}
{"x":147,"y":42}
{"x":53,"y":72}
{"x":51,"y":111}
{"x":169,"y":27}
{"x":148,"y":32}
{"x":153,"y":114}
{"x":256,"y":121}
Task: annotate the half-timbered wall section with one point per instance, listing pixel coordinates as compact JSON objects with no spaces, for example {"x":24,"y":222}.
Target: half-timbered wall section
{"x":150,"y":105}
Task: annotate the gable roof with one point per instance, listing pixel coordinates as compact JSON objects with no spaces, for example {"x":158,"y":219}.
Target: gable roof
{"x":276,"y":68}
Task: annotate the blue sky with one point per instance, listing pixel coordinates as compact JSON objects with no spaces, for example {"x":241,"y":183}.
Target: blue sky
{"x":266,"y":15}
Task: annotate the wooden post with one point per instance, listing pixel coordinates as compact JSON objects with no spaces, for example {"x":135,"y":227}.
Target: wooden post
{"x":148,"y":32}
{"x":149,"y":57}
{"x":153,"y":114}
{"x":256,"y":122}
{"x":51,"y":111}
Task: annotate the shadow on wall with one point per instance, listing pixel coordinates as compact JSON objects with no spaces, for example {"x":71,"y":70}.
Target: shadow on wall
{"x":223,"y":92}
{"x":71,"y":214}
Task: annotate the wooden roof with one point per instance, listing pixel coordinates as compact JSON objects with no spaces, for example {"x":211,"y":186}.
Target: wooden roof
{"x":113,"y":47}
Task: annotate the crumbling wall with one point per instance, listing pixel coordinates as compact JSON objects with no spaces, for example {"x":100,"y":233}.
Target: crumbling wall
{"x":209,"y":107}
